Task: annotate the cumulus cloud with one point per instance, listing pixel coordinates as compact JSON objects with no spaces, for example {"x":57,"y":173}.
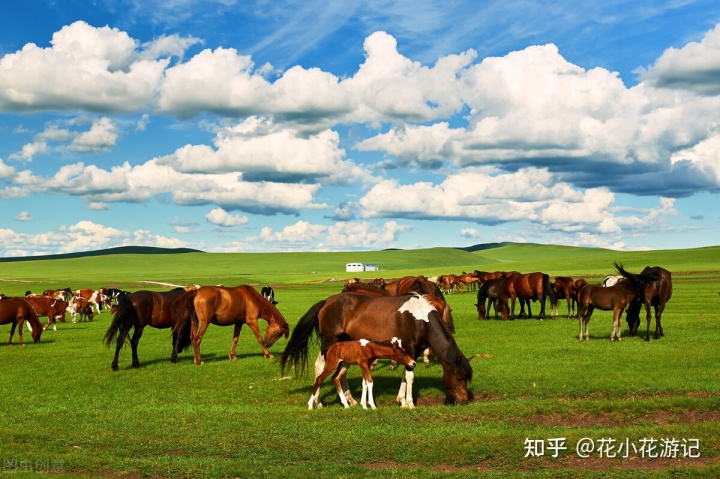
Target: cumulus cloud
{"x":694,"y":67}
{"x":95,"y":69}
{"x":344,"y":235}
{"x":28,"y":151}
{"x":528,"y":195}
{"x":81,"y":236}
{"x":23,"y":216}
{"x":220,"y":217}
{"x":103,"y":135}
{"x":263,"y":151}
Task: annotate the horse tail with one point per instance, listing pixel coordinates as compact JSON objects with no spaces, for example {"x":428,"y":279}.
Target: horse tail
{"x":183,"y":315}
{"x":123,"y":315}
{"x":296,"y":351}
{"x":549,"y":291}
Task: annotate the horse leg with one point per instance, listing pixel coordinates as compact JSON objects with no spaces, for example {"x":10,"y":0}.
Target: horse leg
{"x":409,"y":378}
{"x":253,"y":325}
{"x":315,"y":395}
{"x":119,"y":342}
{"x":236,"y":336}
{"x":367,"y":395}
{"x":134,"y":341}
{"x":337,"y":379}
{"x":12,"y":331}
{"x":196,"y":335}
{"x":658,"y":324}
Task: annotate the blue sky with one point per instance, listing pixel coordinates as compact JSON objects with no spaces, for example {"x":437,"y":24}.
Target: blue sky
{"x":232,"y":125}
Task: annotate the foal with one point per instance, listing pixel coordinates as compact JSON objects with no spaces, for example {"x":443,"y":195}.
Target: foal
{"x":362,"y":352}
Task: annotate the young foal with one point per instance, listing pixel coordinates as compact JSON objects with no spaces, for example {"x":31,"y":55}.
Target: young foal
{"x":363,"y":352}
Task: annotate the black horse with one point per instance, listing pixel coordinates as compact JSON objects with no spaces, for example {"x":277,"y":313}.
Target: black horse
{"x":655,"y":294}
{"x":137,"y":310}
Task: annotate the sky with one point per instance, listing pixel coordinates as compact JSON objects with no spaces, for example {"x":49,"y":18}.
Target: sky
{"x":267,"y":126}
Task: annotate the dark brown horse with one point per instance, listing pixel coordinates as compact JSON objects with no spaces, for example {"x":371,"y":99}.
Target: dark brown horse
{"x":16,"y":310}
{"x":194,"y":311}
{"x":614,"y":298}
{"x":412,"y":318}
{"x":491,"y":292}
{"x":137,"y":310}
{"x":528,"y":287}
{"x":568,"y":289}
{"x":655,"y":294}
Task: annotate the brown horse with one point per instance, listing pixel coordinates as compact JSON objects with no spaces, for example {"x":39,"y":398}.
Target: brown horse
{"x":412,"y":318}
{"x":655,"y":294}
{"x":403,"y":286}
{"x":567,"y":288}
{"x":16,"y":310}
{"x":195,"y":310}
{"x":50,"y":307}
{"x":363,"y":353}
{"x":613,"y":298}
{"x":527,"y":287}
{"x":137,"y":310}
{"x":491,"y":291}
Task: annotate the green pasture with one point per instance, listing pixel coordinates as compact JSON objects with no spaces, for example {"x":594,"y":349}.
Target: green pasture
{"x":66,"y":413}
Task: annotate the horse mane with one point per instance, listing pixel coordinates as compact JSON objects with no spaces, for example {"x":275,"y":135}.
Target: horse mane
{"x":451,"y":355}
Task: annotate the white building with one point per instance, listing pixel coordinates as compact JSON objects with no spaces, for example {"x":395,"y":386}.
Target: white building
{"x":359,"y":267}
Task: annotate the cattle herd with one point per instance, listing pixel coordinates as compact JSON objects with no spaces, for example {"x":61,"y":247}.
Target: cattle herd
{"x":422,"y":319}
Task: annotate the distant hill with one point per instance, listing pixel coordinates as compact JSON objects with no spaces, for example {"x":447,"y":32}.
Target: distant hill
{"x":104,"y":252}
{"x":484,"y":246}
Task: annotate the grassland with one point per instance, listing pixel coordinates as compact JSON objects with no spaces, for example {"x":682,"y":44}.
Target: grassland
{"x":66,"y":412}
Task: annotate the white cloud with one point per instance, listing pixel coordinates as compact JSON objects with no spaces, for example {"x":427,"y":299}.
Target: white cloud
{"x":220,"y":217}
{"x":694,"y":67}
{"x":469,"y":233}
{"x":29,"y":151}
{"x":96,"y":69}
{"x":23,"y":216}
{"x":103,"y":135}
{"x":342,"y":235}
{"x":81,"y":236}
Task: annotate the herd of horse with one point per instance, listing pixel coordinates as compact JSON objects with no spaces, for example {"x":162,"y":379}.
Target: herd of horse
{"x":399,"y":320}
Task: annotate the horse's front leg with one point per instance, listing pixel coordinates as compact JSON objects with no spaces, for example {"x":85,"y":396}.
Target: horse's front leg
{"x":12,"y":332}
{"x":408,"y":399}
{"x":253,"y":325}
{"x":236,"y":336}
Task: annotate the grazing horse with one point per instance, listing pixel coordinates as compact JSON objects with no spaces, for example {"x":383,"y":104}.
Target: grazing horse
{"x":654,"y":294}
{"x":195,"y":310}
{"x":412,"y":318}
{"x":527,"y":287}
{"x":50,"y":307}
{"x":612,"y":298}
{"x":17,"y":310}
{"x":406,"y":285}
{"x":363,"y":353}
{"x":491,"y":291}
{"x":137,"y":310}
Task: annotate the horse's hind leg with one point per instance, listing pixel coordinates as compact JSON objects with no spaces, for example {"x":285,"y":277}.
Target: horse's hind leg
{"x":658,"y":324}
{"x":134,"y":341}
{"x":12,"y":331}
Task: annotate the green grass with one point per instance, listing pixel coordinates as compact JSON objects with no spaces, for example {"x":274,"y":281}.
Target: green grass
{"x":532,"y":379}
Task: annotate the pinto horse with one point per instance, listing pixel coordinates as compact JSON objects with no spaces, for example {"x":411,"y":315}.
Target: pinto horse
{"x":195,"y":310}
{"x":363,"y":353}
{"x":613,"y":298}
{"x":527,"y":287}
{"x":16,"y":310}
{"x":412,"y":318}
{"x":655,"y":294}
{"x":137,"y":310}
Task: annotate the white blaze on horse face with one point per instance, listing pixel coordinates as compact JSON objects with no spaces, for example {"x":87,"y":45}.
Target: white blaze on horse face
{"x":419,"y":307}
{"x":364,"y":342}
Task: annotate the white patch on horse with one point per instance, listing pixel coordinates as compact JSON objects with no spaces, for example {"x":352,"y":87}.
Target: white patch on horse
{"x":396,"y":340}
{"x":364,"y":342}
{"x":419,"y":307}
